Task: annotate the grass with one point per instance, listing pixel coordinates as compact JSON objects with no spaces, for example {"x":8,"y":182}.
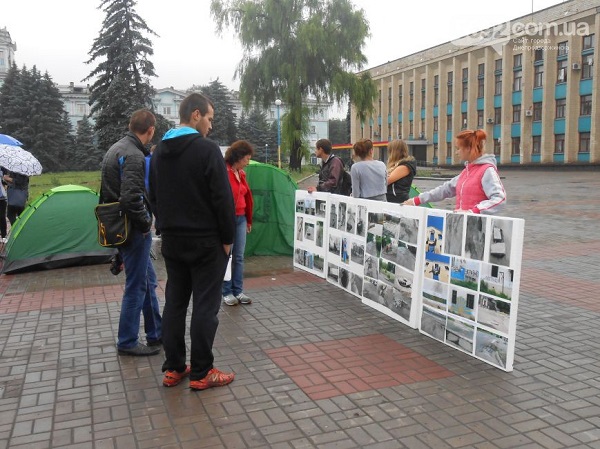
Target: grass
{"x":47,"y":181}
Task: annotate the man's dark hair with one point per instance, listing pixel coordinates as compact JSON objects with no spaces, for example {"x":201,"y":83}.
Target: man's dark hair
{"x":191,"y":103}
{"x":238,"y":151}
{"x":325,"y":145}
{"x":141,"y":120}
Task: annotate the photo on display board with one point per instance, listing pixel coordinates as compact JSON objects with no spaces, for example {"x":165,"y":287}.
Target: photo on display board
{"x":375,"y":223}
{"x":437,"y":267}
{"x":402,"y":303}
{"x":500,"y":242}
{"x":433,"y":324}
{"x":333,"y":272}
{"x":319,"y":262}
{"x":309,"y":231}
{"x":361,"y":220}
{"x":494,"y":313}
{"x":497,"y":281}
{"x":356,"y":284}
{"x":453,"y":243}
{"x":434,"y":234}
{"x":462,"y":302}
{"x":357,"y":252}
{"x":435,"y":294}
{"x":309,"y":206}
{"x":409,"y":230}
{"x":299,"y":228}
{"x":300,"y":206}
{"x":465,"y":272}
{"x":335,"y":244}
{"x":321,"y":206}
{"x":391,"y":226}
{"x":344,"y":278}
{"x":406,"y":255}
{"x":345,"y":254}
{"x":385,"y":294}
{"x":460,"y":335}
{"x":370,"y":289}
{"x":491,"y":347}
{"x":475,"y":238}
{"x":387,"y":272}
{"x":342,"y":217}
{"x":333,"y":217}
{"x":319,"y":236}
{"x":371,"y":266}
{"x":389,"y":247}
{"x":351,"y":219}
{"x":373,"y":244}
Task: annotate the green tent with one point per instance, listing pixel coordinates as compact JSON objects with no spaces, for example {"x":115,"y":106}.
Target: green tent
{"x":57,"y":229}
{"x":274,"y":193}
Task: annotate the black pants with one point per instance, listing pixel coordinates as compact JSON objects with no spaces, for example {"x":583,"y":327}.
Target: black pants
{"x":12,"y":212}
{"x":194,"y":267}
{"x":3,"y":218}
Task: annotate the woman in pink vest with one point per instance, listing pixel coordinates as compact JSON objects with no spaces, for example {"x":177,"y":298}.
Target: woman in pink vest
{"x":477,"y":188}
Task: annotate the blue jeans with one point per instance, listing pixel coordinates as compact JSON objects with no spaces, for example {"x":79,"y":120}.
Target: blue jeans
{"x":236,"y":285}
{"x":140,"y":292}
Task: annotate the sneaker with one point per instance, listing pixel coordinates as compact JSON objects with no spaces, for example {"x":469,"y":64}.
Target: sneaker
{"x":152,"y":343}
{"x":243,"y":299}
{"x":139,"y":350}
{"x":230,"y":300}
{"x":214,"y":378}
{"x":173,"y":378}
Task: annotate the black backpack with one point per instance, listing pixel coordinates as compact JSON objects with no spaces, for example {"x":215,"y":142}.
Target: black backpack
{"x":345,"y":184}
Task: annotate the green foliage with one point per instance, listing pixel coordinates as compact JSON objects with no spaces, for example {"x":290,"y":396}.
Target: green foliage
{"x":295,"y":50}
{"x":46,"y":181}
{"x":339,"y":132}
{"x":87,"y":156}
{"x":224,"y":129}
{"x":31,"y":110}
{"x":122,"y":85}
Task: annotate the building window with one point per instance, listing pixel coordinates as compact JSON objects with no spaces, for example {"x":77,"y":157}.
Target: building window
{"x":537,"y":111}
{"x":435,"y":124}
{"x":498,"y":65}
{"x":480,"y":119}
{"x":588,"y":42}
{"x":81,"y":109}
{"x":411,"y":128}
{"x":449,"y":150}
{"x":497,"y":116}
{"x":587,"y":69}
{"x":584,"y":142}
{"x":435,"y":150}
{"x":464,"y":118}
{"x":422,"y":135}
{"x":517,"y":80}
{"x":498,"y":84}
{"x":423,"y":93}
{"x":436,"y":89}
{"x":167,"y":110}
{"x":400,"y":98}
{"x":465,"y":84}
{"x":561,"y":105}
{"x":448,"y":123}
{"x":561,"y":75}
{"x":536,"y":144}
{"x":497,"y":147}
{"x":389,"y":100}
{"x":515,"y":146}
{"x":516,"y":116}
{"x":411,"y":98}
{"x":313,"y":129}
{"x":585,"y":105}
{"x":517,"y":61}
{"x":2,"y":58}
{"x":449,"y":93}
{"x":379,"y":103}
{"x":480,"y":87}
{"x":563,"y":49}
{"x":559,"y":143}
{"x":538,"y":76}
{"x":538,"y":55}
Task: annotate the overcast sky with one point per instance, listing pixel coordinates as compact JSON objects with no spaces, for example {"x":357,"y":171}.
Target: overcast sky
{"x":57,"y":35}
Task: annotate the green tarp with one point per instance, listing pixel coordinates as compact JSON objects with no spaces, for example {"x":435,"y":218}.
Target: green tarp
{"x":57,"y":229}
{"x":274,"y":194}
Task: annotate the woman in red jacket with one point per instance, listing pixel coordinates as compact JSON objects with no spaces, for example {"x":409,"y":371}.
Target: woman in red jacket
{"x":237,"y":157}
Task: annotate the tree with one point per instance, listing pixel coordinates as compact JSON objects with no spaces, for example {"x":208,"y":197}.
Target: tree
{"x":87,"y":154}
{"x":257,"y":130}
{"x":124,"y":70}
{"x":296,"y":49}
{"x":224,"y":130}
{"x":338,"y":131}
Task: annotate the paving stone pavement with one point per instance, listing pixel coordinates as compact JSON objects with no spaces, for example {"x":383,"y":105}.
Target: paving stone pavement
{"x":314,"y":367}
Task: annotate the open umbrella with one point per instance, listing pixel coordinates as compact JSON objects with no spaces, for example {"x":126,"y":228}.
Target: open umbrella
{"x":18,"y":160}
{"x":9,"y":140}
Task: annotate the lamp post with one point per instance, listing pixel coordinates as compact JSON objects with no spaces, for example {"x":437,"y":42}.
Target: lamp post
{"x":266,"y":153}
{"x":278,"y":104}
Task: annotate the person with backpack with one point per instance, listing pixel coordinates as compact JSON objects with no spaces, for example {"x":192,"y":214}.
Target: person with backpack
{"x":331,"y":175}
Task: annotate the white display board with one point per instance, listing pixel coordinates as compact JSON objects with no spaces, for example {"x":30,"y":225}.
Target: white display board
{"x":453,"y":276}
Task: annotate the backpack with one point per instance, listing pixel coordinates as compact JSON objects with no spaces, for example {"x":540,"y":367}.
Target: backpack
{"x":345,"y":185}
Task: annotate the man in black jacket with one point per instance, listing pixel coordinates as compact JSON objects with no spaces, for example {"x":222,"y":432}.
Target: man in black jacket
{"x":191,"y":197}
{"x":332,"y":170}
{"x":123,"y":174}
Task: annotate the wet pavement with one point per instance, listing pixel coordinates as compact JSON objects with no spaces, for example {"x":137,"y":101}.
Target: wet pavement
{"x":314,"y":367}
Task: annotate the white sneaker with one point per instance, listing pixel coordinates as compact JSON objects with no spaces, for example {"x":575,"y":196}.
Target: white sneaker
{"x":243,"y":299}
{"x":230,"y":300}
{"x":3,"y":240}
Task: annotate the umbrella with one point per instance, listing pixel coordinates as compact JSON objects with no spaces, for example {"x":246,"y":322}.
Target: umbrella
{"x":8,"y":140}
{"x":18,"y":160}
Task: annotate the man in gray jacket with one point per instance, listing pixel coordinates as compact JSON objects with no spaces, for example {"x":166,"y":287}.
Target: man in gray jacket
{"x":123,"y":180}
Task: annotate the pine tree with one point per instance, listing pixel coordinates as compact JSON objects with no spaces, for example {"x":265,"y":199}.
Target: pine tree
{"x":224,"y":129}
{"x":87,"y":154}
{"x":10,"y":119}
{"x":123,"y":83}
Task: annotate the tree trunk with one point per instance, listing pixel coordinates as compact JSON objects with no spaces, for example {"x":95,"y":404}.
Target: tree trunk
{"x":295,"y":157}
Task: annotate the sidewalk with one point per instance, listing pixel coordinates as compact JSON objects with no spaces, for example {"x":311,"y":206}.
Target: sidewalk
{"x":314,"y":367}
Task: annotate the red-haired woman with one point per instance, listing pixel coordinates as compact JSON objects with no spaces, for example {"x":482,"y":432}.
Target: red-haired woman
{"x":477,"y":188}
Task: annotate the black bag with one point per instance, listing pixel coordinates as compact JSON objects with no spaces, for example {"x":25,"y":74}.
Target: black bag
{"x":113,"y":225}
{"x":16,"y":197}
{"x":345,"y":187}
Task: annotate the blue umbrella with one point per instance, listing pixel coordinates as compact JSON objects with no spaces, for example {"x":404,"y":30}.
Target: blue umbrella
{"x":8,"y":140}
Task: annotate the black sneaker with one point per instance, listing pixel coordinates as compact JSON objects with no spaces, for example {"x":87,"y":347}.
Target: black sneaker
{"x":153,"y":343}
{"x":139,"y":350}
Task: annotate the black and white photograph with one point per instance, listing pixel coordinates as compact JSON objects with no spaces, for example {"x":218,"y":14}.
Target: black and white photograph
{"x":435,"y":294}
{"x":433,"y":324}
{"x":335,"y":244}
{"x":402,"y":303}
{"x":497,"y":281}
{"x":403,"y":280}
{"x":409,"y":230}
{"x":333,"y":273}
{"x":309,"y":206}
{"x":460,"y":334}
{"x":351,"y":219}
{"x":370,"y":289}
{"x":357,"y":252}
{"x":309,"y":231}
{"x":373,"y":244}
{"x":342,"y":217}
{"x":299,"y":256}
{"x":375,"y":223}
{"x":356,"y":284}
{"x":333,"y":216}
{"x":453,"y":243}
{"x":387,"y":272}
{"x":372,"y":266}
{"x":500,"y":242}
{"x":465,"y":272}
{"x":406,"y":255}
{"x":475,"y":238}
{"x":437,"y":267}
{"x":319,"y":263}
{"x":491,"y":347}
{"x":391,"y":226}
{"x":319,"y":235}
{"x":300,"y":206}
{"x":344,"y":278}
{"x":493,"y":313}
{"x":299,"y":228}
{"x":321,"y":207}
{"x":434,"y":234}
{"x":385,"y":295}
{"x":361,"y":220}
{"x":462,"y":302}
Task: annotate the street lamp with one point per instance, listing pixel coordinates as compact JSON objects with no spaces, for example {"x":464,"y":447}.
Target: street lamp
{"x":266,"y":153}
{"x":278,"y":104}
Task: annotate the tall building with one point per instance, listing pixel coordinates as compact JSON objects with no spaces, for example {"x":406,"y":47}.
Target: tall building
{"x":75,"y":100}
{"x":7,"y":53}
{"x":529,"y":83}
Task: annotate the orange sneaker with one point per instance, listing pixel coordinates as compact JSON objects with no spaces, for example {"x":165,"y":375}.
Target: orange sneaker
{"x":214,"y":378}
{"x":173,"y":378}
